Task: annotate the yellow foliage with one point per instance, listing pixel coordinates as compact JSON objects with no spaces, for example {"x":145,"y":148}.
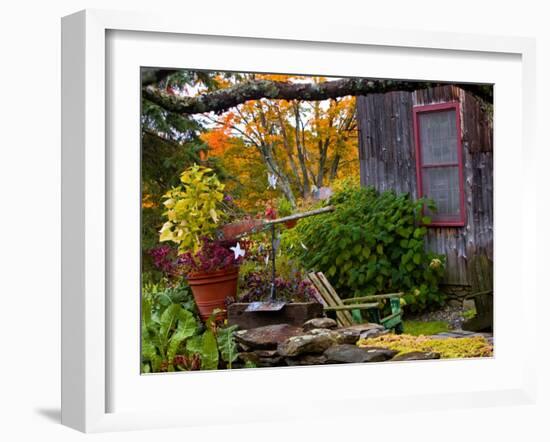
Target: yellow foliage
{"x":147,"y":202}
{"x":468,"y":347}
{"x":192,"y":208}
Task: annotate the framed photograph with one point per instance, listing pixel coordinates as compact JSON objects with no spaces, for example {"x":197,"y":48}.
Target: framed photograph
{"x":273,"y":218}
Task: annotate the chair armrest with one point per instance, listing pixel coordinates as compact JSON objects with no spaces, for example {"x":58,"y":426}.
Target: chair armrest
{"x":373,"y":297}
{"x":352,"y":307}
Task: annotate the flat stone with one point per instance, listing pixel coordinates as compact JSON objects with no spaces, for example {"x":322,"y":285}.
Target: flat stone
{"x":294,"y":313}
{"x":350,"y":335}
{"x":347,"y":353}
{"x":267,"y":337}
{"x":262,"y":358}
{"x":320,"y":323}
{"x":315,"y":341}
{"x":469,"y":304}
{"x":307,"y":359}
{"x":461,"y":334}
{"x":266,"y":353}
{"x":417,"y":356}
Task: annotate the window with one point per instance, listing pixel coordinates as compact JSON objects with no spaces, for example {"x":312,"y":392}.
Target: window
{"x":439,"y":161}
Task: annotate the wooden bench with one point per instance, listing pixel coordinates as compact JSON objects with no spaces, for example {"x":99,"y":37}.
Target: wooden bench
{"x":347,"y":311}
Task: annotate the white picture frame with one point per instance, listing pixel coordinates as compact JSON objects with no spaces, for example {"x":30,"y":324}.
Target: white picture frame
{"x":86,"y":215}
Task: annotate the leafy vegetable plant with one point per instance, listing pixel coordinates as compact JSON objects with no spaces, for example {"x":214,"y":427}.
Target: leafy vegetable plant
{"x":161,"y":337}
{"x":173,"y":338}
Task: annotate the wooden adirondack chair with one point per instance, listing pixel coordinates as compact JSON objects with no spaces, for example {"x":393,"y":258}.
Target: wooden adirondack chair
{"x":343,"y":309}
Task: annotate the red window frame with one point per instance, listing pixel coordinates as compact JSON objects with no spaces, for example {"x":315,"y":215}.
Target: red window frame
{"x":417,"y":110}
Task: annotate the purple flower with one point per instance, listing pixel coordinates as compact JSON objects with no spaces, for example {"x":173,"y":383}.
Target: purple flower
{"x":257,"y":287}
{"x":213,"y":255}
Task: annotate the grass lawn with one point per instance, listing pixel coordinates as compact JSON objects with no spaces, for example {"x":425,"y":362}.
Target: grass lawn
{"x":417,"y":328}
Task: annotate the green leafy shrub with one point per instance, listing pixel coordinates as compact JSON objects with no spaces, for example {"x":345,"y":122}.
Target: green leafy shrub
{"x":371,"y":243}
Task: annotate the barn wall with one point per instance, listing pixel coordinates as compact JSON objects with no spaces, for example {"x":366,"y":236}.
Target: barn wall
{"x":388,"y":161}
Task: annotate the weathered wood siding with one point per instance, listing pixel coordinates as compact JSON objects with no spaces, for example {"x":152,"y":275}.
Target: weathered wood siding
{"x":388,"y":161}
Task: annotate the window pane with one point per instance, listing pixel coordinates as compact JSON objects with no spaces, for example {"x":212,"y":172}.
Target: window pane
{"x":438,"y":136}
{"x":441,"y":185}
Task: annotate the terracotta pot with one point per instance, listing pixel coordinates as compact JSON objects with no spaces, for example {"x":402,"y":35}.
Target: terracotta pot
{"x":232,"y":231}
{"x":210,"y":289}
{"x":291,"y":224}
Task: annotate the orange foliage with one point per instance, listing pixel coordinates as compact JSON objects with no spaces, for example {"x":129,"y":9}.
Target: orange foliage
{"x":324,"y":146}
{"x":218,"y":138}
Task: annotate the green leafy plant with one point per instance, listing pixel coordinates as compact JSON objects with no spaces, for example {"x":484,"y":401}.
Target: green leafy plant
{"x":162,"y":296}
{"x":206,"y":347}
{"x":227,"y":345}
{"x":193,"y":209}
{"x":284,"y":207}
{"x":173,"y":338}
{"x":371,"y":243}
{"x":214,"y":347}
{"x":162,"y":335}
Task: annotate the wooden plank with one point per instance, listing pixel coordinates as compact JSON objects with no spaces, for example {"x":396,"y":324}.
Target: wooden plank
{"x":340,"y":316}
{"x":334,"y":295}
{"x":371,"y":297}
{"x":316,"y":294}
{"x":326,"y":301}
{"x":353,"y":307}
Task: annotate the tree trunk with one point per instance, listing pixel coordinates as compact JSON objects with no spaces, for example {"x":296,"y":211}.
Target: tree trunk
{"x":300,"y":149}
{"x":282,"y":180}
{"x":334,"y":167}
{"x":288,"y":149}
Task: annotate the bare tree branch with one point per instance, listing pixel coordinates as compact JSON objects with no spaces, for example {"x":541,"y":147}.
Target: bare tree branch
{"x":224,"y":99}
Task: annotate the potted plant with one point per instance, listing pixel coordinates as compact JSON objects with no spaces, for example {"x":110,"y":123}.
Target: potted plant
{"x":212,"y":273}
{"x":194,"y":211}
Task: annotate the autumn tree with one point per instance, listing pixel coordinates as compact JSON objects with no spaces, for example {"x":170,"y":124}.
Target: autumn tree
{"x":303,"y":144}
